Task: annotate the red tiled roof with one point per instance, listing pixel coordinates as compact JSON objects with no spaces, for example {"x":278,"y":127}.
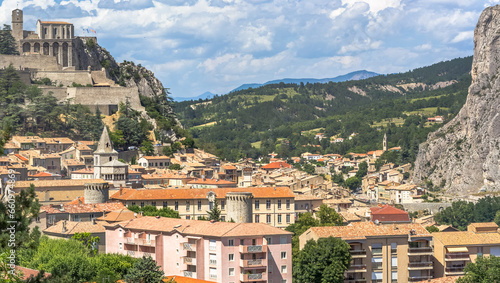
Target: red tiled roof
{"x":43,"y":174}
{"x":229,"y":167}
{"x":158,"y":194}
{"x":389,"y":213}
{"x":28,"y":272}
{"x":21,"y":157}
{"x":276,"y":165}
{"x":361,"y":230}
{"x":211,"y":182}
{"x":83,"y":208}
{"x":84,"y":171}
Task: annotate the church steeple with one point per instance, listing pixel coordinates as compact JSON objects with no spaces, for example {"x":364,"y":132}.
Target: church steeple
{"x":105,"y":145}
{"x":384,"y":143}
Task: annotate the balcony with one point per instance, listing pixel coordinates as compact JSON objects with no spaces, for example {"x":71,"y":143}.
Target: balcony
{"x":356,"y":268}
{"x":189,"y":247}
{"x":145,"y":242}
{"x":454,"y":270}
{"x":130,"y":241}
{"x":212,"y":262}
{"x":190,"y":274}
{"x":253,"y":277}
{"x":190,"y":260}
{"x":418,"y":278}
{"x":420,"y":251}
{"x":252,"y":263}
{"x":424,"y":265}
{"x":456,"y":257}
{"x":376,"y":265}
{"x":253,"y":249}
{"x":361,"y":253}
{"x":213,"y":276}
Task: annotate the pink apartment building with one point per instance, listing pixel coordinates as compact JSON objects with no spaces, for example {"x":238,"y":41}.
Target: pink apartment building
{"x":215,"y":251}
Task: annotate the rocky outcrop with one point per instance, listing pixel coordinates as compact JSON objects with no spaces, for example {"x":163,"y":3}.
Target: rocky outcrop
{"x":464,"y":155}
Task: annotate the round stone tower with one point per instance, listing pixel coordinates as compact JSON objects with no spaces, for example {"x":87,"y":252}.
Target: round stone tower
{"x":239,"y":207}
{"x":96,"y":192}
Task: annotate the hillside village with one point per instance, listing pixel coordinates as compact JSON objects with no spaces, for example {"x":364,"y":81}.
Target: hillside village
{"x":201,"y":218}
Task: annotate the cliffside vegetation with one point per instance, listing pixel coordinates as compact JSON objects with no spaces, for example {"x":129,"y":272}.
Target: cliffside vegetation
{"x":284,"y":118}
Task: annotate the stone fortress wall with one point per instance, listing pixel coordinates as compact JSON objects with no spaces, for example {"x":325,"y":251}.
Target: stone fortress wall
{"x":57,"y":62}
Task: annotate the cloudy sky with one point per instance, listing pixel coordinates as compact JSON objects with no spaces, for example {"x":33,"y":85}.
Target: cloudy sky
{"x":194,"y":46}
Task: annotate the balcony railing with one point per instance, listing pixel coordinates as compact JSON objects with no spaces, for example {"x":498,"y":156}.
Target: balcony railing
{"x":130,"y":241}
{"x":213,"y":276}
{"x":190,"y":274}
{"x":357,"y":252}
{"x":253,"y":263}
{"x":212,"y":262}
{"x":249,"y":277}
{"x":419,"y":250}
{"x":376,"y":265}
{"x":420,"y":265}
{"x":253,"y":249}
{"x":131,"y":253}
{"x":356,"y":267}
{"x":188,"y":247}
{"x":455,"y":269}
{"x":456,"y":256}
{"x":189,"y":260}
{"x":376,"y":251}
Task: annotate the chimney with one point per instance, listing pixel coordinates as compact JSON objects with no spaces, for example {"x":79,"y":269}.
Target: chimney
{"x":64,"y":226}
{"x":121,"y":189}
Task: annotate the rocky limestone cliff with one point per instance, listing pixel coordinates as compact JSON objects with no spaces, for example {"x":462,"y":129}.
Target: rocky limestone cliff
{"x":465,"y":153}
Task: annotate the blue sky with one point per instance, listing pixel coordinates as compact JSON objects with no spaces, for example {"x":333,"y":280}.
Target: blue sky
{"x":195,"y":46}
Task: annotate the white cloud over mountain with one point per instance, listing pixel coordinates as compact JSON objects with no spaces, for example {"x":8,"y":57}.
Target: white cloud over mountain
{"x":216,"y":45}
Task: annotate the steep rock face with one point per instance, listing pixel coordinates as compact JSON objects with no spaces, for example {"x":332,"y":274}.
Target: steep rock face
{"x":465,"y":153}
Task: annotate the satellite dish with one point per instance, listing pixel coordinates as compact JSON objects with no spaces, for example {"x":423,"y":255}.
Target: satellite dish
{"x":376,"y":222}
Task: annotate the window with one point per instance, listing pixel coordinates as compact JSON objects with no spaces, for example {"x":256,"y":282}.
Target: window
{"x":394,"y":247}
{"x":230,"y":243}
{"x":231,"y":257}
{"x":176,"y":206}
{"x":283,"y":255}
{"x":283,"y":269}
{"x":142,"y":204}
{"x":257,"y":218}
{"x":394,"y":262}
{"x":199,"y":205}
{"x":213,"y":259}
{"x":76,"y":218}
{"x":212,"y":245}
{"x":213,"y":273}
{"x":120,"y":245}
{"x":377,"y":277}
{"x":231,"y":271}
{"x":279,"y":218}
{"x":223,"y":218}
{"x":394,"y":276}
{"x":161,"y":163}
{"x":479,"y":251}
{"x":283,"y":240}
{"x":256,"y":204}
{"x":153,"y":203}
{"x":133,"y":203}
{"x":187,"y":205}
{"x":222,"y":204}
{"x":376,"y":249}
{"x":279,"y":204}
{"x":376,"y":263}
{"x":164,"y":204}
{"x":268,"y":240}
{"x":210,"y":205}
{"x":288,"y":218}
{"x":287,"y":204}
{"x":242,"y":242}
{"x":268,"y":204}
{"x":268,"y":218}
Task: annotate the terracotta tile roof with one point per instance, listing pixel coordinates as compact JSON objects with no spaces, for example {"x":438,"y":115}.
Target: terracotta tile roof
{"x":73,"y":227}
{"x":484,"y":225}
{"x":182,"y":279}
{"x":158,"y":194}
{"x":466,"y":238}
{"x":79,"y":200}
{"x":306,"y":197}
{"x":82,"y":147}
{"x":362,"y":230}
{"x":87,"y":143}
{"x":449,"y":279}
{"x":44,"y":174}
{"x":21,"y":157}
{"x":276,"y":165}
{"x":404,"y":187}
{"x":349,"y":216}
{"x":83,"y":208}
{"x":84,"y":171}
{"x":211,"y":182}
{"x":338,"y":201}
{"x":28,"y":272}
{"x":389,"y":213}
{"x":199,"y":227}
{"x":57,"y":183}
{"x":73,"y":162}
{"x":156,"y":157}
{"x":119,"y":215}
{"x":229,"y":167}
{"x":163,"y":176}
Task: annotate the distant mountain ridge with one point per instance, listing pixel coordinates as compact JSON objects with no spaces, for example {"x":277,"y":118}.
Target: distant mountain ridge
{"x":353,"y":76}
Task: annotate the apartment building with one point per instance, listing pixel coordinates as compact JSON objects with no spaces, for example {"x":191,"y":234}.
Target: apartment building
{"x":214,"y":251}
{"x":271,"y":205}
{"x":382,"y":253}
{"x":453,"y":250}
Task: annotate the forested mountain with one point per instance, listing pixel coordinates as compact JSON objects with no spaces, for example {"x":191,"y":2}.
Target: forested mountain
{"x":284,"y":117}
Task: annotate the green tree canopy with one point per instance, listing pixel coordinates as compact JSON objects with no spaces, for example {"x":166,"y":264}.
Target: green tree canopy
{"x":7,"y":42}
{"x":484,"y":270}
{"x":328,"y":216}
{"x":145,"y":271}
{"x":324,"y":261}
{"x":215,"y":212}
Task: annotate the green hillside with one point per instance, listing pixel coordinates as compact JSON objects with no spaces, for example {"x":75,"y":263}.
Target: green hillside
{"x":255,"y":122}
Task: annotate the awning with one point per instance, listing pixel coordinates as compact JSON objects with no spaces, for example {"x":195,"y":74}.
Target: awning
{"x":458,"y":250}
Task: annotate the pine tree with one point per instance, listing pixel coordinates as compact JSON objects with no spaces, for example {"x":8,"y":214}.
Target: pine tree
{"x":145,"y":271}
{"x":7,"y":42}
{"x":214,"y":213}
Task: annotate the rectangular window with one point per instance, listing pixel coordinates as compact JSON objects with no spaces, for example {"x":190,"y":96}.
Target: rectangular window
{"x":279,"y":204}
{"x":223,"y":218}
{"x":279,"y":218}
{"x":283,"y":269}
{"x":176,"y":206}
{"x":376,"y":263}
{"x":199,"y":205}
{"x":257,"y":218}
{"x":394,"y":276}
{"x":288,"y":218}
{"x":283,"y":255}
{"x":142,"y":204}
{"x":268,"y":240}
{"x":212,"y":245}
{"x":161,"y":163}
{"x":133,"y":203}
{"x":268,"y":204}
{"x":164,"y":204}
{"x":479,"y":251}
{"x":377,"y":277}
{"x":287,"y":204}
{"x":242,"y":242}
{"x":153,"y":203}
{"x":120,"y":245}
{"x":394,"y":248}
{"x":231,"y":271}
{"x":230,"y":242}
{"x":210,"y":205}
{"x":394,"y":262}
{"x":187,"y":205}
{"x":256,"y":204}
{"x":213,"y":273}
{"x":222,"y":204}
{"x":231,"y":257}
{"x":188,"y":217}
{"x":282,"y":240}
{"x":268,"y":218}
{"x":376,"y":249}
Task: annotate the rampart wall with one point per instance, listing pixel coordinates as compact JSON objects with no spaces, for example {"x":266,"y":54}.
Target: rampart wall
{"x":66,"y":78}
{"x":33,"y":61}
